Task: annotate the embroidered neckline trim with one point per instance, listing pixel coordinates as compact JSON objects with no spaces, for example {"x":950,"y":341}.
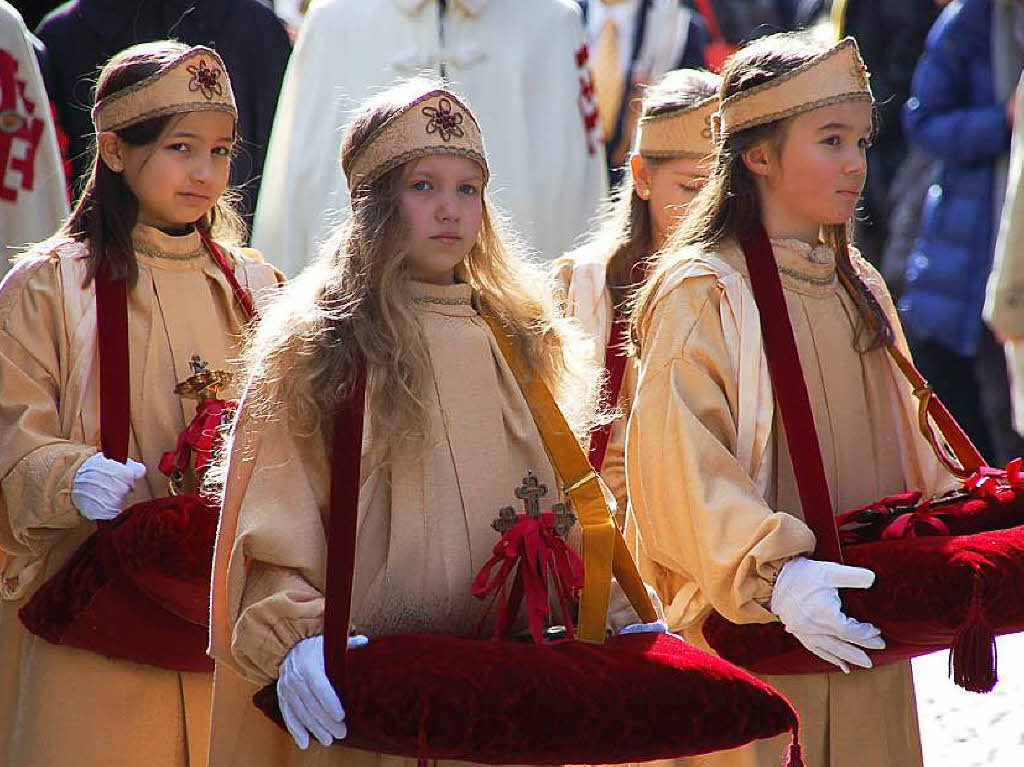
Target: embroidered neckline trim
{"x":796,"y":274}
{"x":462,"y":301}
{"x":150,"y":250}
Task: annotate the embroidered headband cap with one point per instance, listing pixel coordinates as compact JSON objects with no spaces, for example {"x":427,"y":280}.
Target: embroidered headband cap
{"x":682,"y":132}
{"x":836,"y":75}
{"x":435,"y":123}
{"x":195,"y":81}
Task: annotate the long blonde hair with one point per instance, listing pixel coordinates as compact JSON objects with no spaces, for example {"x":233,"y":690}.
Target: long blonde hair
{"x":729,"y":206}
{"x":624,"y":235}
{"x":354,"y":302}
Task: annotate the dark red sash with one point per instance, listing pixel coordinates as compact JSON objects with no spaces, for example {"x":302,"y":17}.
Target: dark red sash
{"x":346,"y":450}
{"x":791,"y":393}
{"x":615,"y":359}
{"x":112,"y":334}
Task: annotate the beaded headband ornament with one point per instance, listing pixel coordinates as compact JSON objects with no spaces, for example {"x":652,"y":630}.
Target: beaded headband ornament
{"x":435,"y":123}
{"x":836,"y":75}
{"x":682,"y":132}
{"x":195,"y":81}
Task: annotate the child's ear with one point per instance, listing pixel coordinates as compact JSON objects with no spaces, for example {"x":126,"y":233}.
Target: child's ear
{"x":759,"y":159}
{"x":110,"y":151}
{"x":641,"y":176}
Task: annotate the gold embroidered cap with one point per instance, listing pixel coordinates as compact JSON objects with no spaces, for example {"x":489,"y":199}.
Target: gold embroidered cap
{"x":682,"y":132}
{"x":195,"y":81}
{"x":836,"y":75}
{"x":435,"y":123}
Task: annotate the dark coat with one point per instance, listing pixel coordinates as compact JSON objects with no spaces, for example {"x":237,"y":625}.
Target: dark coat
{"x":81,"y":35}
{"x":891,"y":39}
{"x":953,"y":115}
{"x":741,"y":21}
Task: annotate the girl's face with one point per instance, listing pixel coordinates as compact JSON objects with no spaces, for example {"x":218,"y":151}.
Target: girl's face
{"x":180,"y":177}
{"x":668,"y":187}
{"x":441,"y":202}
{"x":816,"y":175}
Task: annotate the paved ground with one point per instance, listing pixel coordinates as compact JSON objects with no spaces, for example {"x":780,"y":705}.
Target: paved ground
{"x":965,"y":729}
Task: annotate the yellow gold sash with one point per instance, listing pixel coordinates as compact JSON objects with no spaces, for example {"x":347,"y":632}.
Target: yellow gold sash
{"x":604,"y":550}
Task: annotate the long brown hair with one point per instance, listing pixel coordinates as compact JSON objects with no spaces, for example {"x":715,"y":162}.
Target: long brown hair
{"x":354,"y":301}
{"x":107,"y":210}
{"x":729,"y":206}
{"x":624,"y":235}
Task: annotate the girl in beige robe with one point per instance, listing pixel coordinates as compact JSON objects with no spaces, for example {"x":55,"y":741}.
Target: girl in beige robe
{"x":448,"y":434}
{"x":595,"y":282}
{"x":711,"y":484}
{"x":60,"y":705}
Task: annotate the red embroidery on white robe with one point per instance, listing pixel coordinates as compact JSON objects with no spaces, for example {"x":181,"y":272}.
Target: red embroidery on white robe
{"x":19,"y":128}
{"x":587,"y":100}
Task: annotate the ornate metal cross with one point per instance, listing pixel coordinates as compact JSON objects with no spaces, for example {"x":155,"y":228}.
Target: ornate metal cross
{"x":530,"y":493}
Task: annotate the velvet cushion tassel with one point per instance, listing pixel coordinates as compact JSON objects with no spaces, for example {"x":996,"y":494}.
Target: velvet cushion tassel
{"x":795,"y":754}
{"x":972,"y":657}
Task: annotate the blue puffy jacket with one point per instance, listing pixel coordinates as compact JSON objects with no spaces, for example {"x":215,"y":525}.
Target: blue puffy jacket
{"x":953,"y":114}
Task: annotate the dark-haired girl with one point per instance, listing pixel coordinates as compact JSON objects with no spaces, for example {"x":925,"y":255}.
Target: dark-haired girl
{"x":154,"y":202}
{"x":710,"y":479}
{"x":667,"y":169}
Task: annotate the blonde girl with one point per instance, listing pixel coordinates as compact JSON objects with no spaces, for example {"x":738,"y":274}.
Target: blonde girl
{"x":449,"y":435}
{"x":596,"y":282}
{"x":709,"y":474}
{"x":165,"y":129}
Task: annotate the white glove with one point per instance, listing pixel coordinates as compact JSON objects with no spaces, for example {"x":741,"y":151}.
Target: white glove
{"x":806,"y":599}
{"x":306,"y":696}
{"x":658,"y":627}
{"x":100,"y":485}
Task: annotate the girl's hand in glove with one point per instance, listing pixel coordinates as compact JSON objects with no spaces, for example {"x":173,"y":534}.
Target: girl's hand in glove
{"x":101,"y":485}
{"x":658,"y":627}
{"x":307,"y":698}
{"x":806,"y":599}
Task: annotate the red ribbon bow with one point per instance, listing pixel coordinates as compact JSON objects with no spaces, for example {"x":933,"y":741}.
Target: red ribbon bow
{"x":922,"y":521}
{"x":988,"y":481}
{"x":534,"y":550}
{"x":202,"y":436}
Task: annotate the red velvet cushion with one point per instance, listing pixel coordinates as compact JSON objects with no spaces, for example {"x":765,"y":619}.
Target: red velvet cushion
{"x":137,"y":589}
{"x":930,"y":593}
{"x":635,"y":698}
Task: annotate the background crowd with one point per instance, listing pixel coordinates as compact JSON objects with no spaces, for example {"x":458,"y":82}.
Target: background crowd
{"x":555,"y":84}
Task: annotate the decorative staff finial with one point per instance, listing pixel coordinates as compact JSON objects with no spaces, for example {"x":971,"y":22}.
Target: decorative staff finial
{"x":203,"y":383}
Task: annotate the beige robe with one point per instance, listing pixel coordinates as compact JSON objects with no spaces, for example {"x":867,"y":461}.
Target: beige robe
{"x":582,"y":282}
{"x":59,"y":705}
{"x":1004,"y":296}
{"x":712,"y":487}
{"x":424,"y":529}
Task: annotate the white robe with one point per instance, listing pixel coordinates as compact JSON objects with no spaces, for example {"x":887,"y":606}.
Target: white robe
{"x":33,"y":196}
{"x":515,"y":62}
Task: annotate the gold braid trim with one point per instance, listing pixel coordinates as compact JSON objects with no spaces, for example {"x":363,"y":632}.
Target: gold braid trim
{"x":836,"y":75}
{"x":436,"y":123}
